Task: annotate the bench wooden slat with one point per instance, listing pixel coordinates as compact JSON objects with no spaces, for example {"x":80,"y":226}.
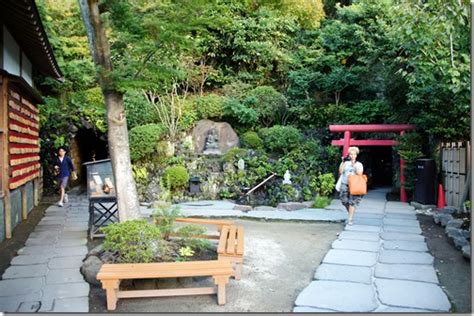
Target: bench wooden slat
{"x":170,"y":274}
{"x":223,"y":240}
{"x":231,"y":240}
{"x":218,"y":222}
{"x":240,"y":240}
{"x":166,"y":292}
{"x":162,"y":265}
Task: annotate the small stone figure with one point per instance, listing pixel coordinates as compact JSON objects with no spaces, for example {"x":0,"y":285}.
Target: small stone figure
{"x":212,"y":143}
{"x":286,"y":177}
{"x":241,"y":164}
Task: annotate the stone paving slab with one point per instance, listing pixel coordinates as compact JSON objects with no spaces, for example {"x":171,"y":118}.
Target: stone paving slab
{"x":401,"y":236}
{"x":57,"y":291}
{"x":59,"y":276}
{"x":338,"y":296}
{"x":76,"y":304}
{"x":14,"y":287}
{"x":367,"y":236}
{"x":367,"y":221}
{"x":391,"y":309}
{"x":47,"y":306}
{"x":35,"y":250}
{"x":402,"y":229}
{"x":361,"y":214}
{"x":400,"y":216}
{"x":29,"y":259}
{"x":12,"y":303}
{"x":76,"y":228}
{"x":70,"y":251}
{"x":48,"y":228}
{"x":350,"y":257}
{"x":29,"y":307}
{"x":412,"y":272}
{"x":399,"y":211}
{"x":362,"y":228}
{"x":405,"y":245}
{"x":73,"y":235}
{"x":42,"y":241}
{"x":306,"y":309}
{"x":405,"y":257}
{"x":65,"y":262}
{"x":71,"y":242}
{"x":362,"y":245}
{"x":338,"y":272}
{"x":401,"y":222}
{"x":45,"y":234}
{"x":397,"y":204}
{"x":16,"y":272}
{"x":420,"y":295}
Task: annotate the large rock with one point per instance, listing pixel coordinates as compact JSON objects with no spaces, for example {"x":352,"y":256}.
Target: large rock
{"x":90,"y":268}
{"x":291,"y":206}
{"x":227,"y":138}
{"x":466,"y":251}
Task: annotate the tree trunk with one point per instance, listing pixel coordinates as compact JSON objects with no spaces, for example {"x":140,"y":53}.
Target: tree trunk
{"x":127,"y":197}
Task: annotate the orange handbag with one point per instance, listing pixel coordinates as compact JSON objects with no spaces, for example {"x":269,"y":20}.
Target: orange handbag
{"x":357,"y":184}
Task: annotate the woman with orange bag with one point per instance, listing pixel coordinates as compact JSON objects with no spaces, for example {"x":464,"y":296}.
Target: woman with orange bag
{"x":350,"y":167}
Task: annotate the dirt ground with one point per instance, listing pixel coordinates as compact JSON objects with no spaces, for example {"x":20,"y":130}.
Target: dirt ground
{"x":280,"y":261}
{"x":454,"y":270}
{"x":288,"y":254}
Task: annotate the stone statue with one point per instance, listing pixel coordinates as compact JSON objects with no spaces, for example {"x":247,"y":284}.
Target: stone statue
{"x":286,"y":177}
{"x":241,"y":164}
{"x":212,"y":143}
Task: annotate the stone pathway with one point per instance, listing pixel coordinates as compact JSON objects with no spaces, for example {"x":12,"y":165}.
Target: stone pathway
{"x":45,"y":276}
{"x":379,"y":264}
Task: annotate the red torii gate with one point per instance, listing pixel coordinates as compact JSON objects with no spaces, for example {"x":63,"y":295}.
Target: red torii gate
{"x":347,"y":141}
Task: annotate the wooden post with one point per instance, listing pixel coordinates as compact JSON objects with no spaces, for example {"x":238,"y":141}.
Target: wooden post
{"x":36,"y":191}
{"x":24,"y":204}
{"x":4,"y":163}
{"x":111,"y":288}
{"x":221,"y":282}
{"x":403,"y":193}
{"x":347,"y":143}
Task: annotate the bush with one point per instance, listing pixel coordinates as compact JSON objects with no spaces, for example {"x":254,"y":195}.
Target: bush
{"x":235,"y":110}
{"x":270,"y":105}
{"x":138,"y":110}
{"x":136,"y":241}
{"x":176,"y":177}
{"x":321,"y":201}
{"x":144,"y":139}
{"x":251,"y":140}
{"x":325,"y":184}
{"x":209,"y":106}
{"x":280,"y":139}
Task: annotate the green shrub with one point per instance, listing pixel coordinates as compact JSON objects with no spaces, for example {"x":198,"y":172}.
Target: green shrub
{"x":235,"y":110}
{"x":251,"y":140}
{"x":164,"y":216}
{"x":176,"y":177}
{"x":144,"y":139}
{"x":325,"y":184}
{"x":189,"y":233}
{"x":209,"y":106}
{"x":270,"y":105}
{"x":280,"y":139}
{"x":321,"y":201}
{"x":136,"y":241}
{"x":234,"y":154}
{"x":138,"y":110}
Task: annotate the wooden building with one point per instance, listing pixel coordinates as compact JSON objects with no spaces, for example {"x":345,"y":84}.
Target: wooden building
{"x":24,"y":52}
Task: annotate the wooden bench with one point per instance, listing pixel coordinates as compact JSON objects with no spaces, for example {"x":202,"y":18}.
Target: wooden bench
{"x":112,"y":274}
{"x":231,"y":248}
{"x":219,"y":223}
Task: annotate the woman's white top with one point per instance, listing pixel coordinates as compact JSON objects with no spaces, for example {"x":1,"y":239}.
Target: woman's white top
{"x":350,"y":168}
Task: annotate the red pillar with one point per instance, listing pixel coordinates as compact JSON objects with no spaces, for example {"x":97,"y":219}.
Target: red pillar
{"x":347,"y":142}
{"x":403,"y":194}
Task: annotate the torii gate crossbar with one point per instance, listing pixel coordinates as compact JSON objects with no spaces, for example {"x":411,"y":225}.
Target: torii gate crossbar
{"x":347,"y":141}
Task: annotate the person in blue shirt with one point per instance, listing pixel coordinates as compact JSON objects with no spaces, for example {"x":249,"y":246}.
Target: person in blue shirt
{"x":63,"y":168}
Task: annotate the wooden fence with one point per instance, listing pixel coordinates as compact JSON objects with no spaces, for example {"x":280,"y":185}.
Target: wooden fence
{"x":456,"y":157}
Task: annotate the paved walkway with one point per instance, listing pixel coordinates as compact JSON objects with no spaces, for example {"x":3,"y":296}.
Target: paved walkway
{"x":45,"y":276}
{"x":379,"y":264}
